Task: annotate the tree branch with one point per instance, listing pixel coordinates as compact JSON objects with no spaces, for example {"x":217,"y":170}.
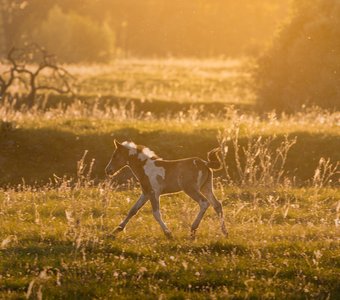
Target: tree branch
{"x":19,"y":58}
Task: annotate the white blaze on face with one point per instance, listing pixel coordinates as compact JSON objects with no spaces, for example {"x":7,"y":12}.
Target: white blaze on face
{"x":131,"y":146}
{"x":152,"y":172}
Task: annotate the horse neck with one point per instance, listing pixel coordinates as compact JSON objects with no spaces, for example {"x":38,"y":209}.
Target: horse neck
{"x":136,"y":167}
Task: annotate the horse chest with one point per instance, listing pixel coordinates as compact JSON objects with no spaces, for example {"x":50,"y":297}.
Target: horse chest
{"x":155,"y":174}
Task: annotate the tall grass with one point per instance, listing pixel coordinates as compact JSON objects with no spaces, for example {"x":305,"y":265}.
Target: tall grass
{"x":257,"y":163}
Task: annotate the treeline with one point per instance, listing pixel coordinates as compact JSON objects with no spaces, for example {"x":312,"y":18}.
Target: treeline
{"x":85,"y":30}
{"x":302,"y":68}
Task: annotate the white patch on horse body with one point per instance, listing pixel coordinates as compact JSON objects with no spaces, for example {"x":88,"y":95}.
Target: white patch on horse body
{"x":131,"y":146}
{"x":152,"y":171}
{"x":199,"y":178}
{"x":146,"y":154}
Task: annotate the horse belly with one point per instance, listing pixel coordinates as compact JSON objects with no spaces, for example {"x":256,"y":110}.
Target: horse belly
{"x":170,"y":184}
{"x":173,"y":177}
{"x":171,"y":187}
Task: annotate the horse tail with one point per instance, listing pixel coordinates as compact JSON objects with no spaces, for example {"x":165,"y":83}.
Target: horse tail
{"x":214,"y":160}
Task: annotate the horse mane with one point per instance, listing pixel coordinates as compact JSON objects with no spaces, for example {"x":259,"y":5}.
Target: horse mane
{"x":141,"y":151}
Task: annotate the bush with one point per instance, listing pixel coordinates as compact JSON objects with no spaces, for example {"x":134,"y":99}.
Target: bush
{"x":302,"y":67}
{"x":74,"y":38}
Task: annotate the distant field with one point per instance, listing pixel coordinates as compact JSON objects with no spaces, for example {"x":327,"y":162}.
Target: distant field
{"x":55,"y":222}
{"x":162,"y":87}
{"x":170,"y":80}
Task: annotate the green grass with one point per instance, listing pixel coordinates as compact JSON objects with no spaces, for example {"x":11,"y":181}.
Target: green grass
{"x":270,"y":253}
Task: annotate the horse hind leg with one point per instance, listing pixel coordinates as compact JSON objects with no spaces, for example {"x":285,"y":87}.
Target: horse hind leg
{"x":203,"y":203}
{"x":207,"y":191}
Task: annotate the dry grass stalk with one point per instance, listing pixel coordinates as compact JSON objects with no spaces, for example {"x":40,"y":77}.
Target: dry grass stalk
{"x":260,"y":162}
{"x":325,"y":172}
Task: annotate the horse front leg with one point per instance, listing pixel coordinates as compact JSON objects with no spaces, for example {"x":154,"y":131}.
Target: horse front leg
{"x":134,"y":209}
{"x":157,"y":215}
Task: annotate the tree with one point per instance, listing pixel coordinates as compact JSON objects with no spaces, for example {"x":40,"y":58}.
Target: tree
{"x":148,"y":28}
{"x":2,"y":30}
{"x":36,"y":70}
{"x":75,"y":38}
{"x":302,"y":67}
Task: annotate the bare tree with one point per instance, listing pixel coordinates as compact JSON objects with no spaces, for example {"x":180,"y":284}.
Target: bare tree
{"x":5,"y":83}
{"x":37,"y":70}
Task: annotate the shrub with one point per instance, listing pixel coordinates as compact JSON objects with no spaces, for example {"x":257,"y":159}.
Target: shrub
{"x":302,"y":67}
{"x":74,"y":38}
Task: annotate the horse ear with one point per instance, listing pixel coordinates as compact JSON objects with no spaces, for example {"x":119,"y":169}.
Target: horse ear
{"x":117,"y":144}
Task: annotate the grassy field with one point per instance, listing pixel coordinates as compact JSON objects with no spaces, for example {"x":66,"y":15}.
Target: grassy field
{"x":171,"y":80}
{"x":56,"y":223}
{"x":57,"y":243}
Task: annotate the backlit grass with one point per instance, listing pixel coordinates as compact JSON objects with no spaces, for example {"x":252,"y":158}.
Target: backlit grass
{"x":57,"y":243}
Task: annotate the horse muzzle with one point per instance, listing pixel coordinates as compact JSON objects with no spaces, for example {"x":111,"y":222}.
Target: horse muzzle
{"x":109,"y":171}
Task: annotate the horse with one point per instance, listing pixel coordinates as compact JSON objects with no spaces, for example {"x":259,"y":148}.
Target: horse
{"x":157,"y":177}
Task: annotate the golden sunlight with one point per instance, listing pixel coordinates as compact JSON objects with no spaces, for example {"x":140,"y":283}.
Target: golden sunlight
{"x":169,"y":149}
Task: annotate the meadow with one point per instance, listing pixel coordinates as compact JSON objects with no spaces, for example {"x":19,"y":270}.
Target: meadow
{"x":57,"y":208}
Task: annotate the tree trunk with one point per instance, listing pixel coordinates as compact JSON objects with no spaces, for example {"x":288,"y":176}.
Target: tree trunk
{"x":2,"y":30}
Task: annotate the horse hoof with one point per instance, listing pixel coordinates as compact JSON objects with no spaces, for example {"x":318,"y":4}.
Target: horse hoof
{"x":117,"y":230}
{"x":109,"y":236}
{"x":169,"y":235}
{"x":193,"y":235}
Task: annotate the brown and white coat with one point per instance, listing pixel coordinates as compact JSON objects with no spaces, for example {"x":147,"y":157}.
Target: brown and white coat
{"x":157,"y":177}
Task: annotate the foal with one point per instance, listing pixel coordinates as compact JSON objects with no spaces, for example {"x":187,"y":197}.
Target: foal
{"x":158,"y":177}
